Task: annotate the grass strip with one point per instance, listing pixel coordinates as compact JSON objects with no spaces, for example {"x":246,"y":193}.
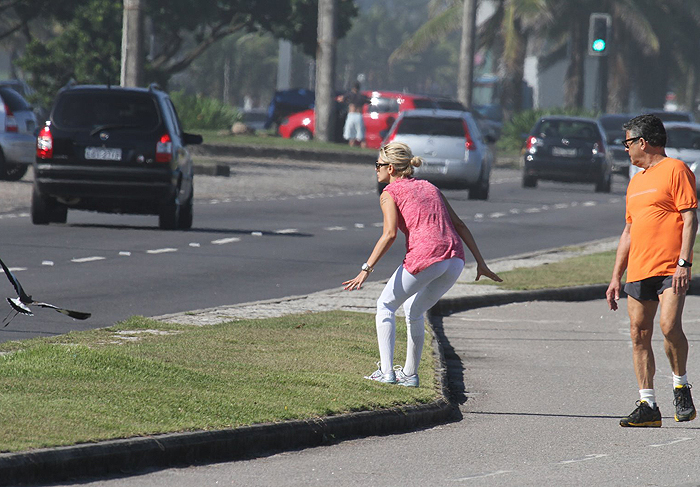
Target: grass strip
{"x":145,"y":377}
{"x":576,"y":271}
{"x":268,"y":140}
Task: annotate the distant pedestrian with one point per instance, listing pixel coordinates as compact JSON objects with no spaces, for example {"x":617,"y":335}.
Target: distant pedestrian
{"x":354,"y":129}
{"x":656,"y":249}
{"x":434,"y":258}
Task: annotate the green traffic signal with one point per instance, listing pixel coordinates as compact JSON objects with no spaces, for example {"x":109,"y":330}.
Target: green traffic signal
{"x":598,"y":45}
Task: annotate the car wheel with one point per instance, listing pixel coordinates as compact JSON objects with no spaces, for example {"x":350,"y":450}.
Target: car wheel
{"x":11,"y":172}
{"x":480,"y":191}
{"x":529,"y":181}
{"x":302,"y":134}
{"x":186,"y":213}
{"x":169,"y":215}
{"x":604,"y":185}
{"x":42,"y":208}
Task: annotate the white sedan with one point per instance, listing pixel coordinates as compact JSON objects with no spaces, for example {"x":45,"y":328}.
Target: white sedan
{"x":682,"y":142}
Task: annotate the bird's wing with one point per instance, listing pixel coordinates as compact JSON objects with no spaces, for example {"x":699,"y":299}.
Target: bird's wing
{"x":15,"y":283}
{"x":78,"y":315}
{"x":19,"y":306}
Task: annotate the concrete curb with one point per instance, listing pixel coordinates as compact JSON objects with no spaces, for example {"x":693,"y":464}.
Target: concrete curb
{"x":354,"y":157}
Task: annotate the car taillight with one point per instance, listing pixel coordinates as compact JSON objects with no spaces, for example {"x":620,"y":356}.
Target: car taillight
{"x":44,"y":144}
{"x":164,"y":149}
{"x":10,"y":121}
{"x":598,"y":148}
{"x":469,"y":144}
{"x":531,"y":144}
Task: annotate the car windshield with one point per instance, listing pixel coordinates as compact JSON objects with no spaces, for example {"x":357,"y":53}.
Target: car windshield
{"x":14,"y":100}
{"x":567,"y":129}
{"x":447,"y":127}
{"x":683,"y":138}
{"x":116,"y":110}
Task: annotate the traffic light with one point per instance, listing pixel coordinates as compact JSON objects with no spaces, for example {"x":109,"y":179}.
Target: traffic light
{"x":599,"y":34}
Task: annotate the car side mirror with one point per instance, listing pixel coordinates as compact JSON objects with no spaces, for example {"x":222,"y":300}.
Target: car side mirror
{"x":191,"y":139}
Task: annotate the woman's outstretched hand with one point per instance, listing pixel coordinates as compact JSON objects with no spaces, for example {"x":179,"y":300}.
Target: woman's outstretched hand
{"x":357,"y":282}
{"x":483,"y":270}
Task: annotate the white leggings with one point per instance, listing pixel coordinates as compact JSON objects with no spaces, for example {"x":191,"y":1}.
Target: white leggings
{"x":418,"y":293}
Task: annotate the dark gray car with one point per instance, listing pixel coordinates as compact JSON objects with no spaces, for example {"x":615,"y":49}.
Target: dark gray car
{"x":18,"y":126}
{"x":568,"y":149}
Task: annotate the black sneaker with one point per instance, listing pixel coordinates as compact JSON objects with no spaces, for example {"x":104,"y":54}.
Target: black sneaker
{"x":643,"y":417}
{"x":685,"y":409}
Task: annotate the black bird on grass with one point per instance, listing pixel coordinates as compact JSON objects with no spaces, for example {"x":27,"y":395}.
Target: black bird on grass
{"x":21,"y":303}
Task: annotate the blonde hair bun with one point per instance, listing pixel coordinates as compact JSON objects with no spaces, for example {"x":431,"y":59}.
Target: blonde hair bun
{"x":416,"y":161}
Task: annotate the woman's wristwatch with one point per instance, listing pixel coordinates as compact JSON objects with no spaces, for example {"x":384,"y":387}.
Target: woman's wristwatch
{"x":367,"y":268}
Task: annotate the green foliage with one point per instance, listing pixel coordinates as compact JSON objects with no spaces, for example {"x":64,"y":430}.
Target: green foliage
{"x":201,"y":112}
{"x":515,"y":131}
{"x":88,"y":51}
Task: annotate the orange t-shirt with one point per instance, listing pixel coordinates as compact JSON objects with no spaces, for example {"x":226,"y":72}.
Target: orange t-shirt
{"x":655,"y":198}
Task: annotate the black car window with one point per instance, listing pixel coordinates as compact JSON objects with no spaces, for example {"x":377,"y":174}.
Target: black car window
{"x":683,"y":138}
{"x":90,"y":110}
{"x":568,"y":129}
{"x":448,"y":127}
{"x":14,"y":100}
{"x":384,"y":105}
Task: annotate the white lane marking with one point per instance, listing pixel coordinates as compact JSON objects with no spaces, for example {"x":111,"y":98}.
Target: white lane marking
{"x":125,"y":253}
{"x":532,"y":210}
{"x":378,"y":224}
{"x":286,"y":231}
{"x":194,"y":244}
{"x":335,"y":229}
{"x":483,"y":475}
{"x":161,"y":251}
{"x":87,"y":259}
{"x":359,"y":225}
{"x":561,"y":206}
{"x":496,"y":215}
{"x":47,"y":262}
{"x":223,"y":241}
{"x":593,"y":456}
{"x":256,"y":234}
{"x":16,"y":269}
{"x":514,"y":211}
{"x":672,"y":442}
{"x":589,"y":203}
{"x":479,"y":215}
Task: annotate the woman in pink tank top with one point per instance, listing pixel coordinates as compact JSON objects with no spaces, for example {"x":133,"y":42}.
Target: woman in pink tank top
{"x":434,"y":258}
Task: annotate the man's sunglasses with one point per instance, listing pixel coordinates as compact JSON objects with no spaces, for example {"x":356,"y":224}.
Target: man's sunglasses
{"x":627,"y":142}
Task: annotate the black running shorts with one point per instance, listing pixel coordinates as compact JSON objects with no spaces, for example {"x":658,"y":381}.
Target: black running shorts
{"x":649,"y":289}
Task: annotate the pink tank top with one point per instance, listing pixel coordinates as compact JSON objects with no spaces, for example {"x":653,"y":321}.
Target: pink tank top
{"x":424,"y":219}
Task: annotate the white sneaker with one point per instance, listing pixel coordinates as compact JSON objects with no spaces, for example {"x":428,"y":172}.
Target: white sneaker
{"x":379,"y":376}
{"x":405,"y":380}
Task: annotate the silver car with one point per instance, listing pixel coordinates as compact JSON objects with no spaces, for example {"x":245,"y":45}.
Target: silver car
{"x":17,"y":134}
{"x":453,"y":148}
{"x":682,"y":142}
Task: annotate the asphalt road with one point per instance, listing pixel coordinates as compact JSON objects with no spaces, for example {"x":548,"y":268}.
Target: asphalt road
{"x":273,"y":229}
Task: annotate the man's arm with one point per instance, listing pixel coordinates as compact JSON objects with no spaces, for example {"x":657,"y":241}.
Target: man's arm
{"x":681,"y":278}
{"x":621,"y":258}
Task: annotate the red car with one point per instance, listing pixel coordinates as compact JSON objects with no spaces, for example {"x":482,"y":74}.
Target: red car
{"x":378,"y":115}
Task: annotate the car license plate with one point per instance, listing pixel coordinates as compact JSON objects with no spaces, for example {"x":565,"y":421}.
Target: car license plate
{"x":563,"y":152}
{"x":103,"y":154}
{"x":431,"y":168}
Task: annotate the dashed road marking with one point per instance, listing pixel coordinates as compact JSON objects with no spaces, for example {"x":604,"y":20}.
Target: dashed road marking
{"x":223,"y":241}
{"x":125,"y":253}
{"x":161,"y":251}
{"x":287,"y":231}
{"x":81,"y":260}
{"x":483,"y":475}
{"x":335,"y":229}
{"x":672,"y":442}
{"x":587,"y":458}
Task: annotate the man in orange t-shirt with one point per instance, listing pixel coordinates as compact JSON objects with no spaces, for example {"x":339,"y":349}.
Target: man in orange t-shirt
{"x":656,"y":249}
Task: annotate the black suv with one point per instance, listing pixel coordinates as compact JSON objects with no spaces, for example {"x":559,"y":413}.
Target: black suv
{"x":114,"y":150}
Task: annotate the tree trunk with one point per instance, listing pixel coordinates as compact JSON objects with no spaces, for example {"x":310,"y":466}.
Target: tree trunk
{"x":574,"y":80}
{"x":325,"y":71}
{"x":512,"y":99}
{"x":466,"y":54}
{"x":132,"y":44}
{"x":618,"y":74}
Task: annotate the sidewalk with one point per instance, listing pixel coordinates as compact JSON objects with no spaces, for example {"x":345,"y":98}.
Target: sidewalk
{"x":134,"y":454}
